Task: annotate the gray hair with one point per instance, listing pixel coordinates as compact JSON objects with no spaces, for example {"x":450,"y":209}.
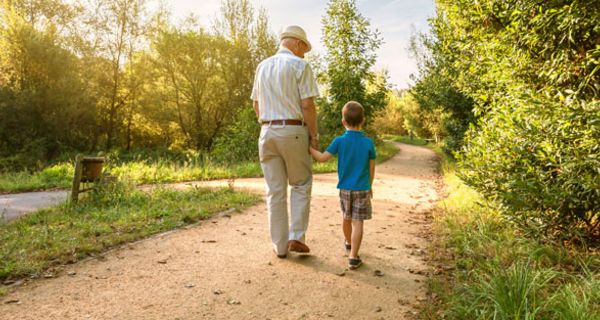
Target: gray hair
{"x":287,"y":42}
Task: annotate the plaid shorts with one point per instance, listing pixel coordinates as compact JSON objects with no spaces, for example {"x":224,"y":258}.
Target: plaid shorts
{"x":356,"y":205}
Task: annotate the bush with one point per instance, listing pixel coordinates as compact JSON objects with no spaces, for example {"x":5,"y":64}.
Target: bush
{"x":542,"y":164}
{"x":530,"y":72}
{"x":500,"y":273}
{"x":238,"y":142}
{"x":57,"y":175}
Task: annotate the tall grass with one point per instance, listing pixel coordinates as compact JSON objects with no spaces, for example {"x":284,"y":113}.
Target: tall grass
{"x":500,"y":273}
{"x":151,"y":168}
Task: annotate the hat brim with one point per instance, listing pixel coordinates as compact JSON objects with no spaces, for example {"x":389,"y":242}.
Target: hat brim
{"x":295,"y":36}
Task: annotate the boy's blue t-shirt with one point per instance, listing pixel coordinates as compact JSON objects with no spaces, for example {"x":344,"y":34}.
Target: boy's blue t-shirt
{"x":354,"y":151}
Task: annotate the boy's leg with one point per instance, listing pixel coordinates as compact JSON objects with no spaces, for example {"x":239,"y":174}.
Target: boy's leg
{"x":346,"y":207}
{"x":357,"y":234}
{"x":347,"y":228}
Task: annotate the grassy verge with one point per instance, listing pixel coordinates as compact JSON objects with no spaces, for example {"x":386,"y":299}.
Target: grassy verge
{"x":154,"y":171}
{"x":407,"y":140}
{"x":109,"y":217}
{"x":498,"y":273}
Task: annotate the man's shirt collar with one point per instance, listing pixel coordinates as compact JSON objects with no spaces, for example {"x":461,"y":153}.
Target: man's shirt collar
{"x":284,"y":50}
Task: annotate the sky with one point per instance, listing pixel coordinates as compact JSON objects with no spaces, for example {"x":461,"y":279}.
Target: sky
{"x":396,"y":20}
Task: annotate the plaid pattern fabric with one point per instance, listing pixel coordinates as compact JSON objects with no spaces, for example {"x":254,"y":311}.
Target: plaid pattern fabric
{"x":356,"y":205}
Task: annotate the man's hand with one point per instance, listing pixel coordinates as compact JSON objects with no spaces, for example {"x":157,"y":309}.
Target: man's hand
{"x":314,"y":142}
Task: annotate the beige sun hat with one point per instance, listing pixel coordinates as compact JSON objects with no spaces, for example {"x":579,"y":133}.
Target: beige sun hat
{"x":295,"y":32}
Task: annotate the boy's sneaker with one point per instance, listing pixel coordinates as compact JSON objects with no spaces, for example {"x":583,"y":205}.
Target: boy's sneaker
{"x":347,"y":246}
{"x":354,"y":263}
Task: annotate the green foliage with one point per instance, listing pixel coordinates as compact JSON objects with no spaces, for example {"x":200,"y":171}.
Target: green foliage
{"x":577,"y":300}
{"x":390,"y":120}
{"x":108,"y":74}
{"x":42,"y":108}
{"x":111,"y":216}
{"x":239,"y":142}
{"x":531,"y":72}
{"x":351,"y":46}
{"x":441,"y":110}
{"x":54,"y":176}
{"x":548,"y":165}
{"x":500,"y":273}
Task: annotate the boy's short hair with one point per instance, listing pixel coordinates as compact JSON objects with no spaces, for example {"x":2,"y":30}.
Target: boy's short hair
{"x":354,"y":113}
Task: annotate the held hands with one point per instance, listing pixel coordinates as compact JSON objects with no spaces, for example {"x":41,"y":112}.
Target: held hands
{"x":314,"y":142}
{"x":313,"y":152}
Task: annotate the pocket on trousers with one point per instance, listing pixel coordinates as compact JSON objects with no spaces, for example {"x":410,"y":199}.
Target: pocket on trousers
{"x":298,"y":137}
{"x":263,"y":133}
{"x":261,"y":143}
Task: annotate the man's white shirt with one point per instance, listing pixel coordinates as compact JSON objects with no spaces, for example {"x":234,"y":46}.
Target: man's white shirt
{"x":280,"y":84}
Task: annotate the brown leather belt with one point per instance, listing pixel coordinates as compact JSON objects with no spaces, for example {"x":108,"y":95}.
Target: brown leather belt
{"x":287,"y":122}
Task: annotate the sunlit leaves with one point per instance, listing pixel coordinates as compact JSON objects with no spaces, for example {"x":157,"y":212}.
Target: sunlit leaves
{"x":532,"y":69}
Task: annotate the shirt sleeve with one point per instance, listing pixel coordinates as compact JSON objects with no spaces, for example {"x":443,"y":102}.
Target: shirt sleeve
{"x":372,"y":152}
{"x":307,"y":85}
{"x":334,"y":146}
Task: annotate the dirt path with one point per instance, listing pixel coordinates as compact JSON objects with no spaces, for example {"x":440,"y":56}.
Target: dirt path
{"x":224,"y":268}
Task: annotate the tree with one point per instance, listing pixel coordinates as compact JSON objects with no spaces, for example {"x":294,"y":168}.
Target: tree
{"x":118,"y":27}
{"x":437,"y":96}
{"x":206,"y":78}
{"x":390,"y":120}
{"x":531,"y":70}
{"x":79,"y":76}
{"x":351,"y":46}
{"x":44,"y":106}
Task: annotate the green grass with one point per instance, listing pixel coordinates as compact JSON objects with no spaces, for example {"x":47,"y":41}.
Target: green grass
{"x":499,"y":273}
{"x":109,"y":217}
{"x":154,"y":170}
{"x":407,"y":140}
{"x":55,"y":176}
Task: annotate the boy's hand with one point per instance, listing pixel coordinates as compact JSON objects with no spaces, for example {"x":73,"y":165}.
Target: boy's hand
{"x":318,"y":155}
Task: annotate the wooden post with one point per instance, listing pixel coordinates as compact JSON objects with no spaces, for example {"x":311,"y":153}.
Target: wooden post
{"x":76,"y":179}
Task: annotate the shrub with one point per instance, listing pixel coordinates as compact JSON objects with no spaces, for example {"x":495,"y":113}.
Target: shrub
{"x":541,"y":161}
{"x":238,"y":142}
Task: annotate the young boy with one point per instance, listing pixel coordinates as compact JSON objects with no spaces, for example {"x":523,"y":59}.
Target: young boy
{"x":356,"y":170}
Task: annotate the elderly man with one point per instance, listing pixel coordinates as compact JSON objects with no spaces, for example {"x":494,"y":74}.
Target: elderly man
{"x":283,"y":92}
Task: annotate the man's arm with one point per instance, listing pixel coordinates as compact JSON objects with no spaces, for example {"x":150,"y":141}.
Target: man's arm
{"x":320,"y":156}
{"x":255,"y":105}
{"x":309,"y":111}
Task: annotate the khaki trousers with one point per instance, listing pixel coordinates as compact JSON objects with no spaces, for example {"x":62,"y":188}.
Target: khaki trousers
{"x":284,"y":159}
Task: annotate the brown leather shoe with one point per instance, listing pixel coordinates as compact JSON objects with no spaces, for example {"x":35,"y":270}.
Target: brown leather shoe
{"x":297,"y":246}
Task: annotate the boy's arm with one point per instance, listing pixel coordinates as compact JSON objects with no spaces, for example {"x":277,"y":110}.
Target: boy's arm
{"x":320,"y":156}
{"x":371,"y":175}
